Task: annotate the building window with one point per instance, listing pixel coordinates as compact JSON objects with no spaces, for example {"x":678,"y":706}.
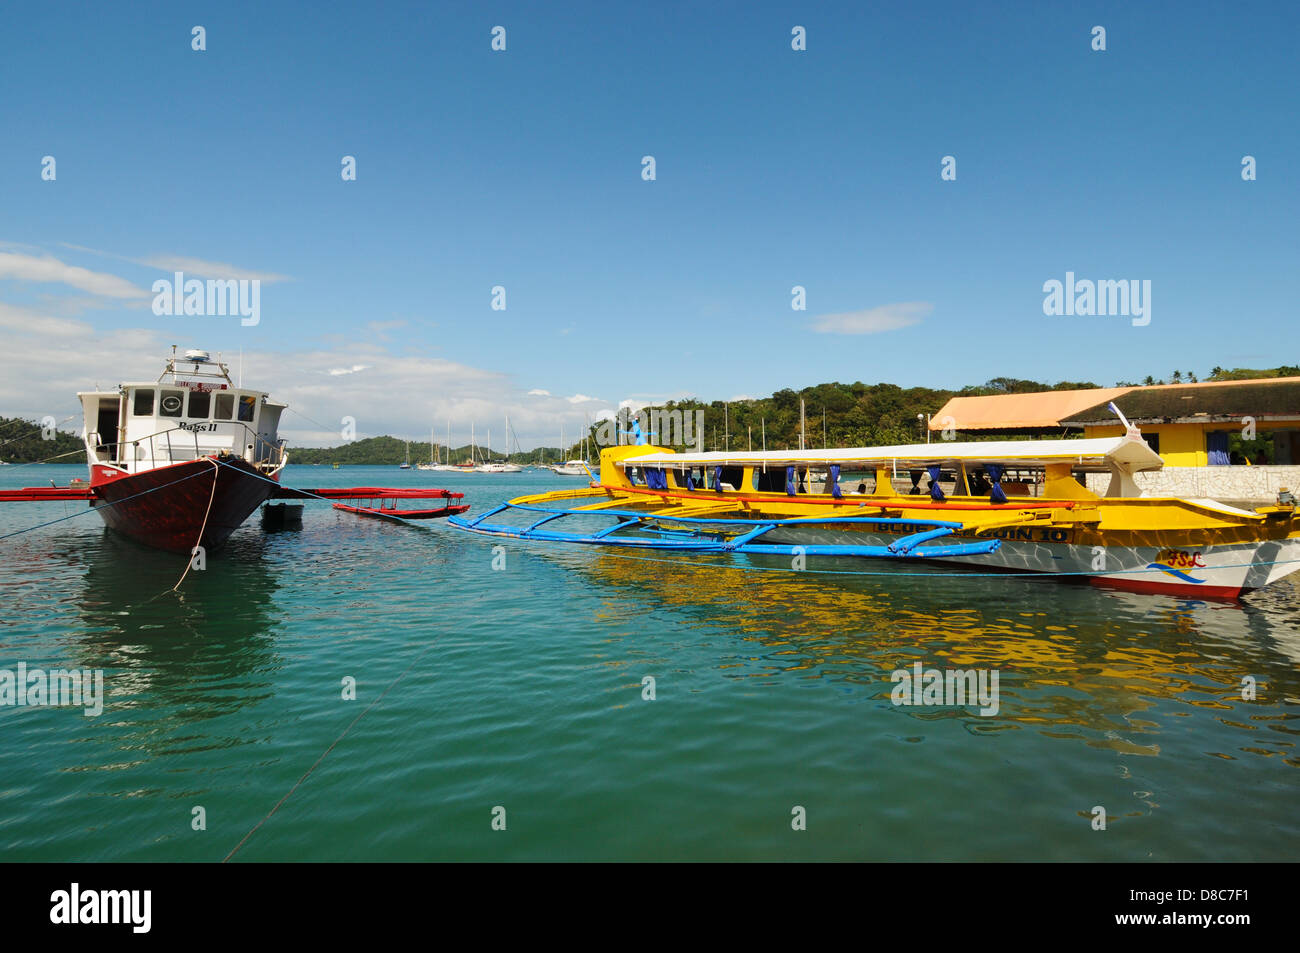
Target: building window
{"x":1216,"y":444}
{"x":1153,"y":441}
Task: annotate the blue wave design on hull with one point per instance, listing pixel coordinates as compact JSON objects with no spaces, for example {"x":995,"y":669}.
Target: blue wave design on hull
{"x":1174,"y":572}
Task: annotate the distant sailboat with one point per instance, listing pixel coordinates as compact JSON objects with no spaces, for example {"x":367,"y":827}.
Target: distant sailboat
{"x":572,"y":467}
{"x":407,"y":464}
{"x":433,"y":459}
{"x":505,"y":467}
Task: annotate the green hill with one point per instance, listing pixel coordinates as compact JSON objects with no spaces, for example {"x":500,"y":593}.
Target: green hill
{"x":21,"y":442}
{"x":856,"y":415}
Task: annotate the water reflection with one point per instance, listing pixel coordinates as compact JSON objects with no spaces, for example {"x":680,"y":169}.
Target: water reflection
{"x":1111,"y":669}
{"x":202,"y":651}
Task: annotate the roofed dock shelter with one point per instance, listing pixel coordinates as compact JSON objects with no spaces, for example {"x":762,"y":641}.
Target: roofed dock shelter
{"x":1231,"y":440}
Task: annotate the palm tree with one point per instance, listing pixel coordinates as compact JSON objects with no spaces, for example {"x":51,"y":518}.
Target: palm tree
{"x":1178,"y":377}
{"x":1148,"y":381}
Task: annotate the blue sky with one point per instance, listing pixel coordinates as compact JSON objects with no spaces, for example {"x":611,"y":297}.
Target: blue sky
{"x":522,"y":168}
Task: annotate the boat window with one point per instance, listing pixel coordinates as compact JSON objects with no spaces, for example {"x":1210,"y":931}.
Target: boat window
{"x":142,"y":406}
{"x":247,"y":404}
{"x":171,"y":403}
{"x":734,"y":476}
{"x":200,"y":404}
{"x":225,"y":406}
{"x":771,"y":480}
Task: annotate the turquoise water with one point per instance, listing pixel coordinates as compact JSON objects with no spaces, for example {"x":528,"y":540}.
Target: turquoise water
{"x":523,"y":690}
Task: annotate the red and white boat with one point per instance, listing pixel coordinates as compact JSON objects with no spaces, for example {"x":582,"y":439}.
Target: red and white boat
{"x":182,"y":461}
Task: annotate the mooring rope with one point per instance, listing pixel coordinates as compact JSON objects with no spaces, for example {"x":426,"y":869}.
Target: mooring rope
{"x":333,"y":744}
{"x":324,"y":499}
{"x":92,"y":509}
{"x":216,"y":472}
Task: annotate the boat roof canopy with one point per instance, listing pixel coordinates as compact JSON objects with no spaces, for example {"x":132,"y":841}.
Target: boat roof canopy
{"x":1130,"y":453}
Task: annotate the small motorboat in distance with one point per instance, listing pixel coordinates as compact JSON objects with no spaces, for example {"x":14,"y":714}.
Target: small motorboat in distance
{"x":572,"y":468}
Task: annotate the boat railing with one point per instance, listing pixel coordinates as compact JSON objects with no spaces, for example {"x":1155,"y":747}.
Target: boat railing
{"x":180,"y":444}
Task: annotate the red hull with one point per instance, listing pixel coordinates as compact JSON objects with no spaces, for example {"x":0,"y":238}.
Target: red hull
{"x":1171,"y":589}
{"x":166,"y":507}
{"x":400,"y":515}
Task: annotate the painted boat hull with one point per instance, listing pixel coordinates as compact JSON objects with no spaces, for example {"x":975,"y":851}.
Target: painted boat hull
{"x":1215,"y":571}
{"x":166,"y":507}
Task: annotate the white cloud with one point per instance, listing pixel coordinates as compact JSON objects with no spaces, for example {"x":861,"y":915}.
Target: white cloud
{"x":209,"y":269}
{"x":538,"y":392}
{"x":393,"y":396}
{"x":581,"y":399}
{"x":193,"y":266}
{"x":17,"y":318}
{"x":887,"y":317}
{"x":47,"y":269}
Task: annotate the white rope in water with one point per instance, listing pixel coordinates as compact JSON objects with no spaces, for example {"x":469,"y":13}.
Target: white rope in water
{"x":216,"y":472}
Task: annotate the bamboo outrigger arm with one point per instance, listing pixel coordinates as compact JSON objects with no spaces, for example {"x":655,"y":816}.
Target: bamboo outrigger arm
{"x":697,"y":537}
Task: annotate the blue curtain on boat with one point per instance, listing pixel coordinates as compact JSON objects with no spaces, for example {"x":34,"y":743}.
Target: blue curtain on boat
{"x":1217,"y":443}
{"x":996,"y":493}
{"x":835,"y":482}
{"x":916,"y":483}
{"x":690,"y":483}
{"x":789,"y":481}
{"x":717,"y":479}
{"x":935,"y":492}
{"x":660,"y":478}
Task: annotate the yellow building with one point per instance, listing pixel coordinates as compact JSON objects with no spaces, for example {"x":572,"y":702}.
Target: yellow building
{"x":1189,"y":425}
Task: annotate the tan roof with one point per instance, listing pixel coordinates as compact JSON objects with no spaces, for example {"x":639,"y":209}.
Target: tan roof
{"x":1056,"y":408}
{"x":1005,"y":411}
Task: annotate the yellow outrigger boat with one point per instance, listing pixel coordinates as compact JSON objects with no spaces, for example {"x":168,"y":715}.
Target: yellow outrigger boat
{"x":776,"y":503}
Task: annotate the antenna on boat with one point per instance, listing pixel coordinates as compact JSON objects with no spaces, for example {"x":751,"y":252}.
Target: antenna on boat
{"x":1128,"y":427}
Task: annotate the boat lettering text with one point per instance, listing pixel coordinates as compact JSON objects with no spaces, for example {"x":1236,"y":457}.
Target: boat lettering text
{"x":1180,"y":559}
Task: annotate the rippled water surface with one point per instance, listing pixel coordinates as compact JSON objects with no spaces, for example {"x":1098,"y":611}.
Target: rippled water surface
{"x":523,"y":690}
